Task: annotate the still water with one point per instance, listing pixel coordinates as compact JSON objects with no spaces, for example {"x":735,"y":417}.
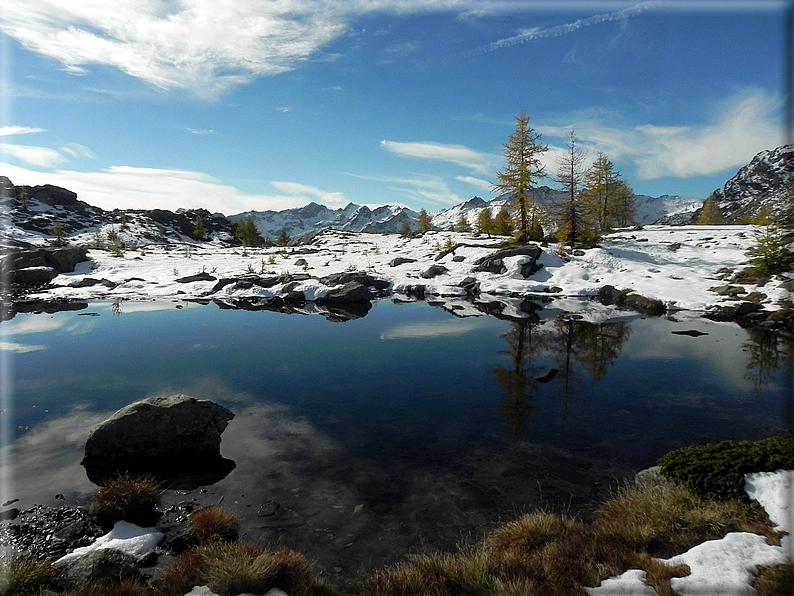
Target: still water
{"x":406,"y":430}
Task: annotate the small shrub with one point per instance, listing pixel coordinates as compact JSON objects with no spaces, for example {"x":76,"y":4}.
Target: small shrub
{"x":25,"y":576}
{"x":719,"y":469}
{"x":129,"y":498}
{"x":213,"y":523}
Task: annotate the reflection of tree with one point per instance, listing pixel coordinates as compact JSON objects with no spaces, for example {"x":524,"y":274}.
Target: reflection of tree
{"x":115,"y":306}
{"x":517,"y":381}
{"x":765,"y":355}
{"x":595,"y":346}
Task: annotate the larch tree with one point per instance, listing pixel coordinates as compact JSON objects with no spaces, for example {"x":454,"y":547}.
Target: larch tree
{"x":423,"y":222}
{"x":524,"y":168}
{"x":462,"y":225}
{"x":503,"y":224}
{"x":485,"y":222}
{"x":710,"y":214}
{"x":608,"y":200}
{"x":570,"y":175}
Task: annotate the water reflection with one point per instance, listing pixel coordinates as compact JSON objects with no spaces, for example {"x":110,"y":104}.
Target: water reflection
{"x":767,"y":352}
{"x":567,"y":342}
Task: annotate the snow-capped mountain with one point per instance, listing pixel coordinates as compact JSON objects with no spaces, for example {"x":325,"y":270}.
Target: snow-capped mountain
{"x":301,"y":221}
{"x":762,"y":185}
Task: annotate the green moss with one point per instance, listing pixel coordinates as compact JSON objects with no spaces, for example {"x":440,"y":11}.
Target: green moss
{"x":718,"y":470}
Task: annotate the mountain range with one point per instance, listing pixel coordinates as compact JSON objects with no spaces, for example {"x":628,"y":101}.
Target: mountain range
{"x":31,"y":211}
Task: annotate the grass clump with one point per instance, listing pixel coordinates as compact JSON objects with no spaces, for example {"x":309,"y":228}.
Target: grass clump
{"x":663,"y":518}
{"x":231,"y":568}
{"x":718,"y":470}
{"x":213,"y":523}
{"x":25,"y":575}
{"x":135,"y":499}
{"x":777,"y":580}
{"x":123,"y":588}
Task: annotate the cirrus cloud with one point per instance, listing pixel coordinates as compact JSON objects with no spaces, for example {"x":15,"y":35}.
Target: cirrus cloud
{"x":477,"y":161}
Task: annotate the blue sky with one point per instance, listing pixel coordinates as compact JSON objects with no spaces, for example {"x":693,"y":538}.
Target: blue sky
{"x":270,"y":104}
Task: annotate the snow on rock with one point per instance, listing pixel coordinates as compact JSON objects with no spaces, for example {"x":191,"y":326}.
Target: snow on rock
{"x":126,"y":537}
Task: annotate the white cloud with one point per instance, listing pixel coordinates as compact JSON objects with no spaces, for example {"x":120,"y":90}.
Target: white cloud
{"x":6,"y":131}
{"x":477,"y":161}
{"x":203,"y":46}
{"x":35,"y":156}
{"x":15,"y":348}
{"x":127,"y":187}
{"x":738,"y":129}
{"x":307,"y":193}
{"x":418,"y":189}
{"x":479,"y":183}
{"x":202,"y":131}
{"x":77,"y":151}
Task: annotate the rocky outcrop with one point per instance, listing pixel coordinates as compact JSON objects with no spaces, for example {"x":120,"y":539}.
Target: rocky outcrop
{"x":494,"y":263}
{"x":627,"y":299}
{"x":158,"y":434}
{"x":103,"y":566}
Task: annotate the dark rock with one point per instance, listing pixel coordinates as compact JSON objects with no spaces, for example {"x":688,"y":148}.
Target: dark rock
{"x":547,"y":376}
{"x":104,"y":566}
{"x":178,"y":429}
{"x":9,"y":514}
{"x":34,"y":276}
{"x":494,"y":263}
{"x":47,"y":306}
{"x":690,"y":333}
{"x":415,"y":291}
{"x":433,"y":271}
{"x":674,"y":246}
{"x":203,"y":276}
{"x":301,"y":262}
{"x":352,"y":291}
{"x":728,"y":290}
{"x":642,"y":304}
{"x":609,"y":295}
{"x":62,"y":260}
{"x":471,"y":285}
{"x":294,"y":296}
{"x":578,"y":253}
{"x":88,"y":282}
{"x":346,"y":277}
{"x":458,"y":259}
{"x":745,"y":308}
{"x":270,"y":507}
{"x":400,"y":261}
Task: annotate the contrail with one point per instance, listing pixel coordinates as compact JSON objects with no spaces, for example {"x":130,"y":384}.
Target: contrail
{"x":539,"y":33}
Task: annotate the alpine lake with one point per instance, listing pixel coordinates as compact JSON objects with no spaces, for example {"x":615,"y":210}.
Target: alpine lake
{"x":407,"y":430}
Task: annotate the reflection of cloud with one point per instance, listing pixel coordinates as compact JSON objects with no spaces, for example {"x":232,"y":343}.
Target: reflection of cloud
{"x":23,"y":324}
{"x":445,"y":328}
{"x":46,"y":459}
{"x":10,"y":346}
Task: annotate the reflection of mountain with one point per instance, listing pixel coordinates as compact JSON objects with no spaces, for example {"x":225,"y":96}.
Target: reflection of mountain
{"x":576,"y":346}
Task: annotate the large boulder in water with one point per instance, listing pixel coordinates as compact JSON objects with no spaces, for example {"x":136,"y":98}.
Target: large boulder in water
{"x":157,"y":435}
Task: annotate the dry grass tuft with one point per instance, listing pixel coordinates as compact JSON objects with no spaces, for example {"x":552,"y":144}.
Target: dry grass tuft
{"x":25,"y":576}
{"x":131,"y":498}
{"x":125,"y":588}
{"x":231,"y":568}
{"x":665,"y":519}
{"x":775,"y":581}
{"x":213,"y":523}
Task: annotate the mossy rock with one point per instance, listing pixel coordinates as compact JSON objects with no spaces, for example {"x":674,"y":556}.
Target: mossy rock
{"x":718,"y":470}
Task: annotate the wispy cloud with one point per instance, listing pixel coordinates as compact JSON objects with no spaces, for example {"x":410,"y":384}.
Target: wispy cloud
{"x":418,"y":188}
{"x":479,"y":183}
{"x":202,"y":131}
{"x":534,"y":33}
{"x":7,"y":131}
{"x":739,"y":128}
{"x":307,"y":193}
{"x":77,"y":151}
{"x":34,"y":156}
{"x":476,"y":161}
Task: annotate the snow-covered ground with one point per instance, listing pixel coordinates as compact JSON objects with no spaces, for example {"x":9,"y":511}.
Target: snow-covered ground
{"x":677,"y":265}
